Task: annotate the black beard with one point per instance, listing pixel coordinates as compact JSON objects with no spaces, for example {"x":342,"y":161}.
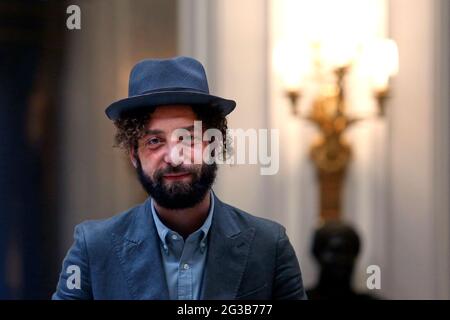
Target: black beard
{"x":178,"y":195}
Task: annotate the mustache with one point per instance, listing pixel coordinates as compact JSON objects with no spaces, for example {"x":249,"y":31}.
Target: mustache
{"x":173,"y":170}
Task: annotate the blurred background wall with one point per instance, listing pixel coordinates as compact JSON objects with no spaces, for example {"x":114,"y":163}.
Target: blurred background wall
{"x":58,"y":166}
{"x":31,"y":46}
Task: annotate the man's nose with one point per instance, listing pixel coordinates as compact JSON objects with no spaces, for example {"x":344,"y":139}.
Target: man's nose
{"x":173,"y":154}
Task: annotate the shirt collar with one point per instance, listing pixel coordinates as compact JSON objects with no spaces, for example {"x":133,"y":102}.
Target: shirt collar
{"x":163,"y":230}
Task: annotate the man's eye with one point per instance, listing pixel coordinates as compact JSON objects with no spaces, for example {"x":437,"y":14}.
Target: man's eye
{"x":189,"y":140}
{"x":153,"y":142}
{"x":185,"y":139}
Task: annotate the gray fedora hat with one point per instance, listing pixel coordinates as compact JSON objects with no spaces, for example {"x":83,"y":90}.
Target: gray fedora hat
{"x":157,"y":82}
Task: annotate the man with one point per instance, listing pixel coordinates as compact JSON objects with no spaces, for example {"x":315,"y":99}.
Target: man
{"x":182,"y":242}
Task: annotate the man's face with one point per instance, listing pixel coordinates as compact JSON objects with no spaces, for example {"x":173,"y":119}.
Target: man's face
{"x":174,"y":182}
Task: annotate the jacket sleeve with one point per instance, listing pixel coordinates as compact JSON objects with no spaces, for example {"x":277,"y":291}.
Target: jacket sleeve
{"x":288,"y":283}
{"x":74,"y":281}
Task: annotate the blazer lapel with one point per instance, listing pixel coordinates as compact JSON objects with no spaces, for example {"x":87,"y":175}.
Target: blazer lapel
{"x":139,"y":255}
{"x":228,"y":251}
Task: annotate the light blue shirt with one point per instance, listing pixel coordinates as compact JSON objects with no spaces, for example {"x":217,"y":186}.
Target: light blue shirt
{"x":184,"y":260}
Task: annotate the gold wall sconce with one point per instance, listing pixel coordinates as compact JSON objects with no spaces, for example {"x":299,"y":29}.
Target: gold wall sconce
{"x":330,"y":152}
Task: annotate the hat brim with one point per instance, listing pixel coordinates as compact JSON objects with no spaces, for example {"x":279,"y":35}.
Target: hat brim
{"x":151,"y":100}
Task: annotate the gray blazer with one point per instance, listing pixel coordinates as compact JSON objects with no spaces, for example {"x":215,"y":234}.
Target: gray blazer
{"x":119,"y":258}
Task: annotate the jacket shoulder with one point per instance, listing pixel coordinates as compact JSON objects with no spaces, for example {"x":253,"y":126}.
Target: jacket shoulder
{"x":100,"y":230}
{"x":263,"y":226}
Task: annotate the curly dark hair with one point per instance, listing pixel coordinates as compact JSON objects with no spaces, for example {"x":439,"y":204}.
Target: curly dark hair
{"x":131,"y":127}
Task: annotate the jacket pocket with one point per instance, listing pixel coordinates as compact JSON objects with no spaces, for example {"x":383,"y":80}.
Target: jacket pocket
{"x":254,"y":292}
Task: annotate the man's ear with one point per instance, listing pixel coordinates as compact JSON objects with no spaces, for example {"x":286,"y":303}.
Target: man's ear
{"x":133,"y":156}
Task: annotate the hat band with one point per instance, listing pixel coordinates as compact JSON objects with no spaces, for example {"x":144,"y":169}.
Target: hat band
{"x":178,"y":89}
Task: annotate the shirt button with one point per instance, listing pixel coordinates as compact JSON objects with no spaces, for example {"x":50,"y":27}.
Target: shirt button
{"x":185,"y":266}
{"x":174,"y":237}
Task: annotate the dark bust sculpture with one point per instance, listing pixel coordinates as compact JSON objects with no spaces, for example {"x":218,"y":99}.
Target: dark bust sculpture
{"x":335,"y":247}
